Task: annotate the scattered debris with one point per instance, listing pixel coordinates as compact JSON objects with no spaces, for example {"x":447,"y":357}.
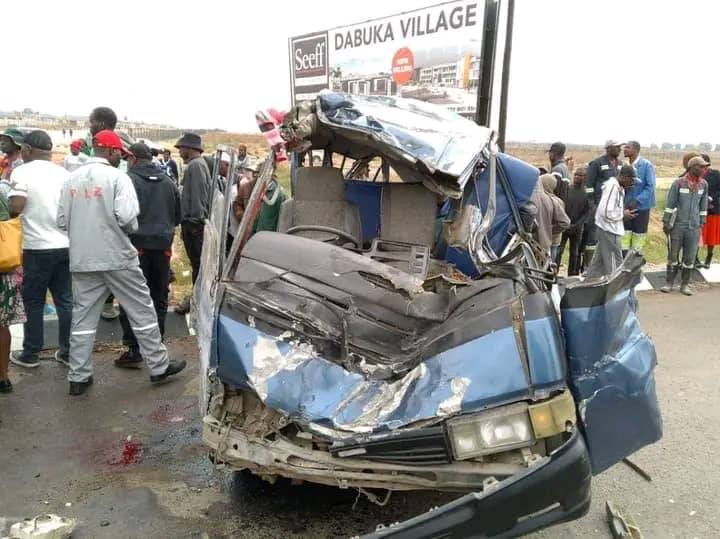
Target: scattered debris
{"x":43,"y":527}
{"x":105,"y":523}
{"x":37,"y":475}
{"x":642,"y":473}
{"x":693,"y":513}
{"x":621,"y":525}
{"x":68,"y":504}
{"x":671,"y":500}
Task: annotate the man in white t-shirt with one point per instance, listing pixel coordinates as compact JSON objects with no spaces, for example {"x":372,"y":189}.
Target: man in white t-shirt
{"x":75,"y":159}
{"x":35,"y":194}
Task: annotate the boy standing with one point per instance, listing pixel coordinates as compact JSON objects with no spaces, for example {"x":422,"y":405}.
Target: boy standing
{"x":579,"y":209}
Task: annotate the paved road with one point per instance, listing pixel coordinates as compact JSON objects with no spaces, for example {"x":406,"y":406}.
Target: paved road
{"x":128,"y":456}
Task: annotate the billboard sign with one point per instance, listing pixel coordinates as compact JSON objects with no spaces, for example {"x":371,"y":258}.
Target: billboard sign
{"x":432,"y":54}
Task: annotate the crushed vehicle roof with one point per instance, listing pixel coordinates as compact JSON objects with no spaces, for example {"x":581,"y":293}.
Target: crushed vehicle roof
{"x":422,"y":142}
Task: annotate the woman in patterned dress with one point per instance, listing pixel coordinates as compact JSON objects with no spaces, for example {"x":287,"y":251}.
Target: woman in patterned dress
{"x":11,"y":305}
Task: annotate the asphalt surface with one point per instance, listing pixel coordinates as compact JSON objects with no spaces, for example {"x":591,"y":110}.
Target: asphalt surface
{"x":128,"y":458}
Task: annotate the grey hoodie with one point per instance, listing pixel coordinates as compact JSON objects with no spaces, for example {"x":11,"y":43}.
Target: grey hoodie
{"x":98,"y":209}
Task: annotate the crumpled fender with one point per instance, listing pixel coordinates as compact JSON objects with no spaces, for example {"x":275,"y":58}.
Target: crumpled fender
{"x":611,"y":364}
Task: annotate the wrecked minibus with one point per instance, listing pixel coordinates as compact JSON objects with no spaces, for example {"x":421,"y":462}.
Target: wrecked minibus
{"x":400,"y":330}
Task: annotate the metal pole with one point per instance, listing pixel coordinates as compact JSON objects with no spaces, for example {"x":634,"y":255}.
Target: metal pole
{"x":506,"y":75}
{"x":487,"y":62}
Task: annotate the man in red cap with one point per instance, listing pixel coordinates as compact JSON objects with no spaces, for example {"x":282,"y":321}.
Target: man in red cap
{"x":98,"y":209}
{"x":75,"y":159}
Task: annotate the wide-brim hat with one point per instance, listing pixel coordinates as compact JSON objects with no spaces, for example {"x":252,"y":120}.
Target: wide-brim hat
{"x":190,"y":140}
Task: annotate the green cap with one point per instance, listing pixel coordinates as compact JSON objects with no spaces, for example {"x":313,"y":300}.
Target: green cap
{"x":15,"y":135}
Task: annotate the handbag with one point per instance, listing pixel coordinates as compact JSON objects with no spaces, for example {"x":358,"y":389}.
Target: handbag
{"x":10,"y":244}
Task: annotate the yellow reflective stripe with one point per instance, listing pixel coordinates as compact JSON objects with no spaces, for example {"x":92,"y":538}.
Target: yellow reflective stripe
{"x":627,"y":239}
{"x":638,"y":241}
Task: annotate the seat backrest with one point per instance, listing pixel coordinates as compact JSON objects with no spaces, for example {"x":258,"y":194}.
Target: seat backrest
{"x":408,"y":214}
{"x":319,"y":199}
{"x":319,"y":184}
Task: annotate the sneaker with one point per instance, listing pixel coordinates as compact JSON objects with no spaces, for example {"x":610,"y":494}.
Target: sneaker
{"x":109,"y":312}
{"x":5,"y":386}
{"x":173,"y":368}
{"x":183,"y":307}
{"x":29,"y":361}
{"x":129,"y":360}
{"x":64,"y":359}
{"x":78,"y":388}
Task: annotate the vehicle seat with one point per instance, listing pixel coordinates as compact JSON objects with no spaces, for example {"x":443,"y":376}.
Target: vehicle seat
{"x":408,"y":214}
{"x":319,"y":199}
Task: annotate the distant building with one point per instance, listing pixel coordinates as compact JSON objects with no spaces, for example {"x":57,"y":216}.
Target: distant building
{"x":380,"y":84}
{"x":464,"y":74}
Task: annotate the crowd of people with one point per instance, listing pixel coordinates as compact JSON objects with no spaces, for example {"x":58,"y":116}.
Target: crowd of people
{"x":100,"y":228}
{"x":604,"y":211}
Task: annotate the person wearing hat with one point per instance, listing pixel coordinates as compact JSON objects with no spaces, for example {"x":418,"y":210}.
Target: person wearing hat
{"x":609,"y":217}
{"x":101,"y":119}
{"x":195,"y":202}
{"x":159,"y":201}
{"x":35,"y":194}
{"x":10,"y":144}
{"x":99,"y":209}
{"x":640,"y":198}
{"x":684,"y":216}
{"x":76,"y":158}
{"x":599,"y":171}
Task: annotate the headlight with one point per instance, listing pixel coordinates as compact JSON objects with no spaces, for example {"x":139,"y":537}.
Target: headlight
{"x":491,"y":432}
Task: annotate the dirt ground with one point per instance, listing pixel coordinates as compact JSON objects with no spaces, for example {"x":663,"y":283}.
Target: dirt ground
{"x":129,"y":460}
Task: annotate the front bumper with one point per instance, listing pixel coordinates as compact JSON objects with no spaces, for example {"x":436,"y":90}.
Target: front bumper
{"x":556,"y":490}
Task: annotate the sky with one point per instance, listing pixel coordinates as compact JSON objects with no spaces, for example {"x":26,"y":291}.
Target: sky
{"x":582,"y":71}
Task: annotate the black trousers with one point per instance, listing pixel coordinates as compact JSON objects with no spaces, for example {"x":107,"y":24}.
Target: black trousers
{"x":192,"y":235}
{"x":155,"y":265}
{"x":575,"y":240}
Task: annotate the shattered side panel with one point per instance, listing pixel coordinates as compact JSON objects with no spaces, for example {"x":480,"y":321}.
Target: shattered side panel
{"x":204,"y":295}
{"x":291,"y":378}
{"x":611,"y":363}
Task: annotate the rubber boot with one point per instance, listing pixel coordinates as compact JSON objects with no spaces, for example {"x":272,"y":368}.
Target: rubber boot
{"x":708,"y":257}
{"x":670,"y":274}
{"x":685,"y":286}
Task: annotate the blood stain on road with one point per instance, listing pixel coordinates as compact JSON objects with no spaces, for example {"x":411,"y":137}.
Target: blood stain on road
{"x":130,"y":453}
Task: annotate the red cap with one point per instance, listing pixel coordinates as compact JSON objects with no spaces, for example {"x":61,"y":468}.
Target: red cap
{"x":110,"y":139}
{"x":77,"y":144}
